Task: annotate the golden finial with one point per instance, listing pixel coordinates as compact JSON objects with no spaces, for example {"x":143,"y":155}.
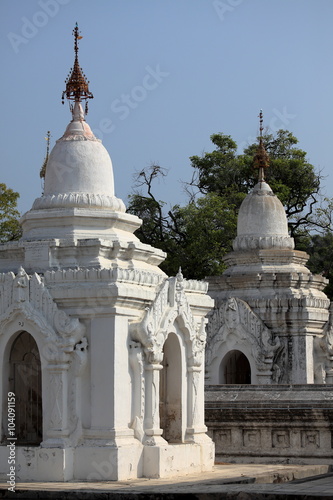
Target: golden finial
{"x":77,"y":85}
{"x":261,"y":158}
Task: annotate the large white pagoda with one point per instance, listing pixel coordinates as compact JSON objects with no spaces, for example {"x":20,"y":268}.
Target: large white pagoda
{"x":104,"y":352}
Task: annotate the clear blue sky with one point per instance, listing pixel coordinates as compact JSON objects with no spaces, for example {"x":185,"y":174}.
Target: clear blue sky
{"x":190,"y":68}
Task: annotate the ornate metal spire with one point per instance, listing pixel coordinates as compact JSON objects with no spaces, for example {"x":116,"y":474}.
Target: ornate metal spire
{"x":261,"y":158}
{"x":77,"y":85}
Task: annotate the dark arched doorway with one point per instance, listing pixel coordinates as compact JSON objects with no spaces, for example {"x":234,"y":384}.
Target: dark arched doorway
{"x":171,"y":391}
{"x":235,"y":369}
{"x":26,"y":383}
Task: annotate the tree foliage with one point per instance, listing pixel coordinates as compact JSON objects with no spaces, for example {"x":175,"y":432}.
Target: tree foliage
{"x":205,"y":230}
{"x":195,"y":237}
{"x":9,"y":215}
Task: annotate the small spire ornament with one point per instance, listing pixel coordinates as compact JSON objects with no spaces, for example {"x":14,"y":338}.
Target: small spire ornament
{"x":77,"y":85}
{"x":261,"y":158}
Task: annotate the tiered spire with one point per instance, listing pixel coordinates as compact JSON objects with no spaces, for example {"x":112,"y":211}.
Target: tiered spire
{"x":77,"y":85}
{"x":261,"y":158}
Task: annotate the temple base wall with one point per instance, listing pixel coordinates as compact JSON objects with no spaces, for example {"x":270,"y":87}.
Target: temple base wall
{"x":107,"y":463}
{"x":271,"y":424}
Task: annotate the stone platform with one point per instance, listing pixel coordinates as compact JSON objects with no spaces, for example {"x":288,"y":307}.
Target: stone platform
{"x":227,"y":481}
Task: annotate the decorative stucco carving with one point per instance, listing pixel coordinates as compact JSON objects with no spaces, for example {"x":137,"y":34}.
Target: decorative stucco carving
{"x":113,"y":275}
{"x":28,"y":297}
{"x":170,"y":304}
{"x":68,"y":200}
{"x":235,"y":319}
{"x":56,"y":411}
{"x":261,"y":242}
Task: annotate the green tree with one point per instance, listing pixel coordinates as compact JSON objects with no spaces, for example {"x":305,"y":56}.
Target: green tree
{"x":204,"y":231}
{"x":9,"y":215}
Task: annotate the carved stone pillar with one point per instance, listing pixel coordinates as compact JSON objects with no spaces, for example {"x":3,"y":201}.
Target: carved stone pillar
{"x":195,"y":402}
{"x":195,"y":385}
{"x":56,"y":404}
{"x":152,"y":401}
{"x":193,"y":376}
{"x":136,"y":359}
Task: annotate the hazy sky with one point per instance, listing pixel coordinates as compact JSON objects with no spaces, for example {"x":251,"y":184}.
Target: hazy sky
{"x":166,"y":74}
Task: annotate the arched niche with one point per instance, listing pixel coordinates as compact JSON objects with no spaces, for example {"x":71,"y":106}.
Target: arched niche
{"x":171,"y":391}
{"x":25,"y":381}
{"x":235,"y":368}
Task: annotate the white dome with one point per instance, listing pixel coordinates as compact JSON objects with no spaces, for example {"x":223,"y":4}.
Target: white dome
{"x":262,"y":221}
{"x":79,"y":170}
{"x":82,"y":166}
{"x":78,"y":200}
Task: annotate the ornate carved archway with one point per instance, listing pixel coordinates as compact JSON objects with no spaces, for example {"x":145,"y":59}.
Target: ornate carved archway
{"x":169,"y":313}
{"x":27,"y":305}
{"x":234,"y":323}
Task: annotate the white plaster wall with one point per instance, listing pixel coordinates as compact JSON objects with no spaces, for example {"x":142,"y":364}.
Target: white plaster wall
{"x":102,"y":373}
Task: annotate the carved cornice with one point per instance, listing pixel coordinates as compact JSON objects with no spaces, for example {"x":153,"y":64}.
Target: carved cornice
{"x":289,"y":303}
{"x":196,"y":286}
{"x":294,"y":281}
{"x":116,"y":274}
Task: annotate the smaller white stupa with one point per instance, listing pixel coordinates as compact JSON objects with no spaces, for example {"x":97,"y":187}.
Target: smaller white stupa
{"x":270,"y":318}
{"x":101,"y":352}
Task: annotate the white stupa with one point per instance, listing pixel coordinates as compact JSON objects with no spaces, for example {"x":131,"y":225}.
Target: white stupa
{"x":262,"y":221}
{"x":270,"y":315}
{"x":101,"y":350}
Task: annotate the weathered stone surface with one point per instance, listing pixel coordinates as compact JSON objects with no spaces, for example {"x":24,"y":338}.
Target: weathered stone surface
{"x":271,"y":424}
